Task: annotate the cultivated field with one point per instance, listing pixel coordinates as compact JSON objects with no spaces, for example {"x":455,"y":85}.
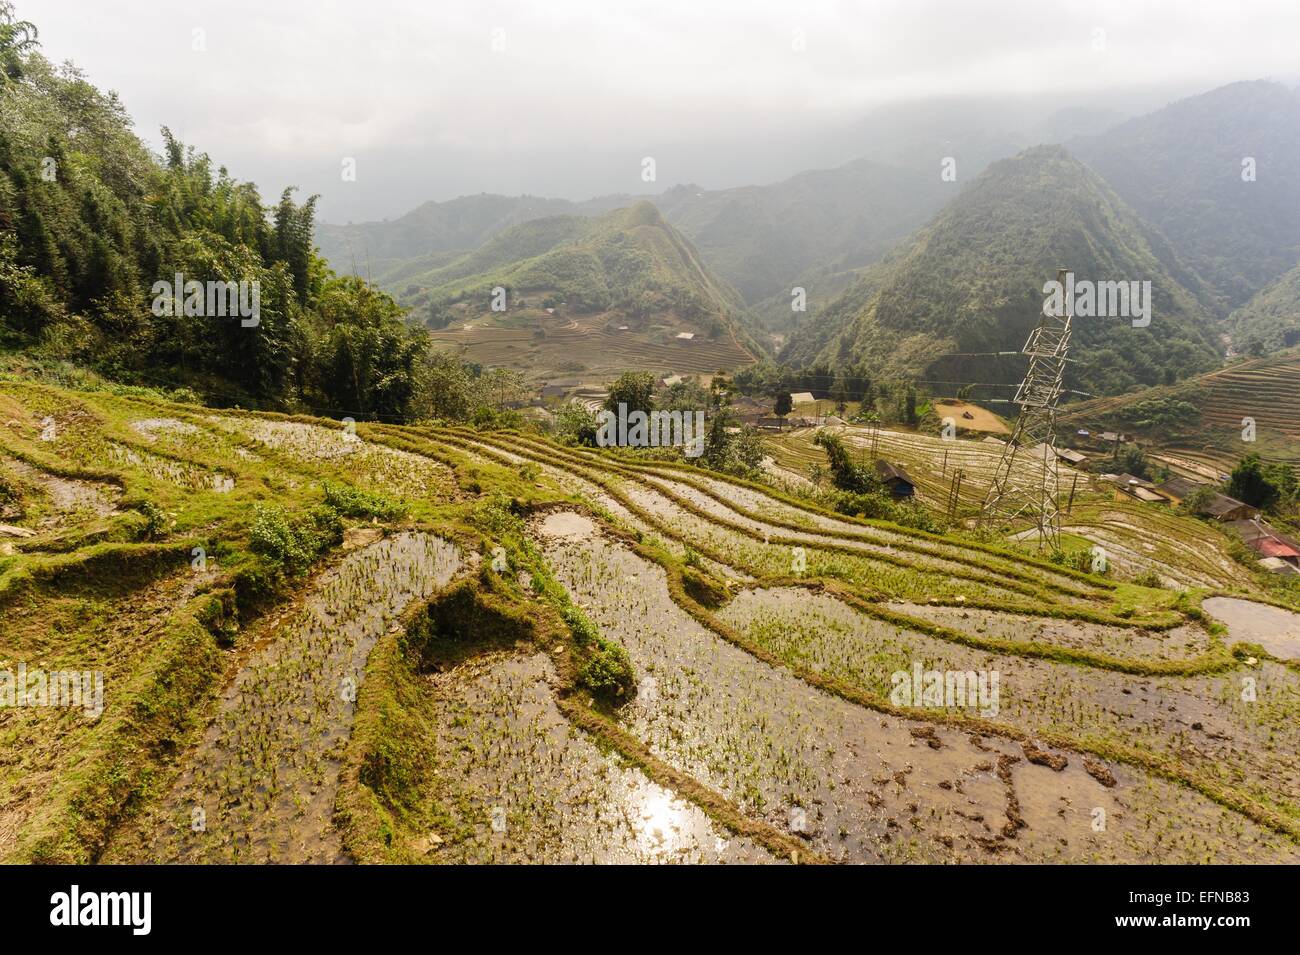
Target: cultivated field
{"x":1208,"y":436}
{"x":433,"y":644}
{"x":551,"y":344}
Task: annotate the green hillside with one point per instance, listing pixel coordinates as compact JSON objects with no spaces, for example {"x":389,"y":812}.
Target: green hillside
{"x":433,"y":228}
{"x":1181,"y":168}
{"x":1202,"y":420}
{"x":629,"y":261}
{"x":761,"y":238}
{"x":971,"y":282}
{"x":516,"y":243}
{"x":1270,"y":320}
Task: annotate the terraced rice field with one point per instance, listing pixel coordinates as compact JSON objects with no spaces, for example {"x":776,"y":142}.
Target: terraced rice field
{"x":591,"y":341}
{"x":931,"y":461}
{"x":1137,"y":538}
{"x":433,"y":644}
{"x":1262,"y":389}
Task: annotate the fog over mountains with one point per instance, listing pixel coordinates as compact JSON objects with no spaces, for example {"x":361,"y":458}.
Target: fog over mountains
{"x":1120,"y":196}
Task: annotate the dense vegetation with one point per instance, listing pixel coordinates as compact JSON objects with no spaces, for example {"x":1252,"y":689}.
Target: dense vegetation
{"x":1181,"y":168}
{"x":971,"y":282}
{"x":90,"y":220}
{"x":1271,"y":320}
{"x":628,"y":261}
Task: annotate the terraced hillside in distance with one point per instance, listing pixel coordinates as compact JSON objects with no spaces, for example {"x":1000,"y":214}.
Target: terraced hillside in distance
{"x":562,"y":341}
{"x":316,"y":641}
{"x":568,"y":294}
{"x":1203,"y":421}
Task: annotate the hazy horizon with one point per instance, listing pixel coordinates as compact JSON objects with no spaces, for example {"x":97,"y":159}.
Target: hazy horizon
{"x":566,"y":102}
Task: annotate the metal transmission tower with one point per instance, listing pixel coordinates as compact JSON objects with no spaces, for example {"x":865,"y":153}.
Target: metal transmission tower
{"x":1027,"y":481}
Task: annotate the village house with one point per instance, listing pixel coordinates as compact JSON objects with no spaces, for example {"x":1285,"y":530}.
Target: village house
{"x":1265,"y":541}
{"x":898,"y":481}
{"x":1178,"y":489}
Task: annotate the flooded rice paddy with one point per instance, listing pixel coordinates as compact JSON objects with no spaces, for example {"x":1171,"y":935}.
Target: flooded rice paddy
{"x":260,"y":787}
{"x":863,"y":786}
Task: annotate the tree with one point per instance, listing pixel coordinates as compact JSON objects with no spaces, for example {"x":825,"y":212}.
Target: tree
{"x":783,"y":404}
{"x":845,"y":475}
{"x":840,"y":393}
{"x":574,"y":424}
{"x":1250,"y":483}
{"x":1133,"y":460}
{"x":368,"y":358}
{"x":635,"y":389}
{"x":17,"y":37}
{"x":444,"y":388}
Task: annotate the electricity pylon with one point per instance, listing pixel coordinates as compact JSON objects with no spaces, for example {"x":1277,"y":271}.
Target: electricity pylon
{"x":1025,"y":484}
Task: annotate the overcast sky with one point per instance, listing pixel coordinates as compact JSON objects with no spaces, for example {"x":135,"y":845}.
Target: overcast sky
{"x":438,"y":98}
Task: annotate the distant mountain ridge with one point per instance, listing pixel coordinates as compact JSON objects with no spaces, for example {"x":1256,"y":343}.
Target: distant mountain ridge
{"x":971,"y":282}
{"x":572,"y":294}
{"x":1188,"y":169}
{"x":758,"y":238}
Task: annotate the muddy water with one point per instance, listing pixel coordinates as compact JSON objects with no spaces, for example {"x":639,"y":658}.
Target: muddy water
{"x":861,"y":786}
{"x":261,"y":785}
{"x":599,"y":497}
{"x":1274,"y":629}
{"x":1208,"y":723}
{"x":515,"y":782}
{"x":1180,"y":643}
{"x":181,"y":474}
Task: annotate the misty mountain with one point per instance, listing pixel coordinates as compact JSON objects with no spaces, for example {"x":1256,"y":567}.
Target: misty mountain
{"x":376,"y":248}
{"x":761,"y":237}
{"x":972,"y":282}
{"x":1271,"y":320}
{"x":629,"y":261}
{"x":1181,"y":168}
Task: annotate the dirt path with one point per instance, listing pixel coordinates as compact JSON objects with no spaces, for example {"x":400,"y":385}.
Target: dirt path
{"x":260,"y":787}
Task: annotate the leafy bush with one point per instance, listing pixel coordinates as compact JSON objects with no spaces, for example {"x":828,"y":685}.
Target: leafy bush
{"x":352,"y":502}
{"x":584,"y":631}
{"x":1075,"y":559}
{"x":156,"y":520}
{"x":574,"y":424}
{"x":608,"y":674}
{"x":1149,"y":579}
{"x":291,"y":543}
{"x":872,"y":504}
{"x":847,"y":476}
